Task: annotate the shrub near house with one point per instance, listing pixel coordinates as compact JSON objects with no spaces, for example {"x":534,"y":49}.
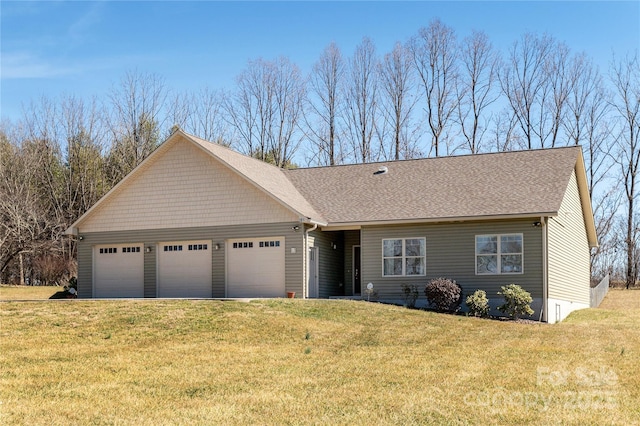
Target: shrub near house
{"x":516,"y":301}
{"x":478,"y":304}
{"x":443,"y":294}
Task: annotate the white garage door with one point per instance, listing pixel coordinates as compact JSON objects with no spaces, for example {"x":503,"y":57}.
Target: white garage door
{"x":255,"y":267}
{"x":184,"y":269}
{"x":118,"y":270}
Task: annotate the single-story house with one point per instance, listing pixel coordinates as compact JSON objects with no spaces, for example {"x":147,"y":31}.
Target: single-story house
{"x":198,"y":220}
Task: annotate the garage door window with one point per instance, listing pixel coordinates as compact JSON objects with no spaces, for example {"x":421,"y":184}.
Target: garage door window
{"x":198,"y":247}
{"x":269,"y":243}
{"x":243,"y":244}
{"x":173,"y":248}
{"x":131,"y":249}
{"x":108,"y":250}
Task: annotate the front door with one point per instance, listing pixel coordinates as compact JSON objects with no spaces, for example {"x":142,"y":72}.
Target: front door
{"x":313,"y":273}
{"x":356,"y":270}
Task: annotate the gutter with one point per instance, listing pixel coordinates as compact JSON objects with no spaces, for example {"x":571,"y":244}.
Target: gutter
{"x":305,"y":283}
{"x":544,"y":314}
{"x":352,"y":225}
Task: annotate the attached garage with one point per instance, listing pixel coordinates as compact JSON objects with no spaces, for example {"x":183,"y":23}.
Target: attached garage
{"x":184,"y":269}
{"x":255,"y":267}
{"x":118,"y":270}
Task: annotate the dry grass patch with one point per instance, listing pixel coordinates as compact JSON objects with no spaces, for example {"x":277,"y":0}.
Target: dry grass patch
{"x":312,"y":362}
{"x":23,"y":292}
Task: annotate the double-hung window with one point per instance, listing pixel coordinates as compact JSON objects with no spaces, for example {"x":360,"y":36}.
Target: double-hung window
{"x":403,"y":256}
{"x":499,"y":254}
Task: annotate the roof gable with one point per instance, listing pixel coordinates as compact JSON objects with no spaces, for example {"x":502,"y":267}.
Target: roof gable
{"x":184,"y":188}
{"x":189,"y":179}
{"x":272,"y":180}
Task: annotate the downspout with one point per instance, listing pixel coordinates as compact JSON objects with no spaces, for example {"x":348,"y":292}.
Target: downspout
{"x":305,"y":284}
{"x":544,"y":314}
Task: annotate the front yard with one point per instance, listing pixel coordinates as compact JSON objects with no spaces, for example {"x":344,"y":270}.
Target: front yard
{"x":150,"y":362}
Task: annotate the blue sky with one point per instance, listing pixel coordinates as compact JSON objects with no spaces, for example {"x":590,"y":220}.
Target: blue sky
{"x":84,"y":48}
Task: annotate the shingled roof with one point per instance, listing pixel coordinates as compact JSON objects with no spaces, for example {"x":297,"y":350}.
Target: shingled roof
{"x":445,"y":188}
{"x":468,"y":187}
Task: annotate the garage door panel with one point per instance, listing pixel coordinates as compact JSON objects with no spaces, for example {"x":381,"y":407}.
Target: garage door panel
{"x":184,"y":269}
{"x":256,"y":267}
{"x":118,"y":271}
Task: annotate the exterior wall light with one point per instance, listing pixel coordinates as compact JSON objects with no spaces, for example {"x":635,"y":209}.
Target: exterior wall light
{"x":148,"y":249}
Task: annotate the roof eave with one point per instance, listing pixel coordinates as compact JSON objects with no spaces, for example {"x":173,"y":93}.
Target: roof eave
{"x":310,"y":221}
{"x":585,"y":201}
{"x":353,"y":225}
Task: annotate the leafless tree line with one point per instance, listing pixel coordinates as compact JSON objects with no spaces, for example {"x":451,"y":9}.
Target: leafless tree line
{"x":434,"y":94}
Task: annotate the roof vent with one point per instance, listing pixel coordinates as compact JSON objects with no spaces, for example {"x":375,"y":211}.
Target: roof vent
{"x":382,"y":170}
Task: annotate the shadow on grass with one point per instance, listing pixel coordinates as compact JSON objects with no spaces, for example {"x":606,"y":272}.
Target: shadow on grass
{"x":64,"y":294}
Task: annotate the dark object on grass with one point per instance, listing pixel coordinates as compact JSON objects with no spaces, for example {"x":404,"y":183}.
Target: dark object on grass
{"x":67,"y":293}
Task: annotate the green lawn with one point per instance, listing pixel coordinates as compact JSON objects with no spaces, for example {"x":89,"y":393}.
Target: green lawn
{"x":152,"y":362}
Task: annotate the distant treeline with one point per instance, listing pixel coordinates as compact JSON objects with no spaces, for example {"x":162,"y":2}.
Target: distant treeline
{"x":435,"y":94}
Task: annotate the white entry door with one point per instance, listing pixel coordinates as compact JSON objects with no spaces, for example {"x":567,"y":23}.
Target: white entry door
{"x":184,"y":269}
{"x":255,"y":267}
{"x":118,"y":271}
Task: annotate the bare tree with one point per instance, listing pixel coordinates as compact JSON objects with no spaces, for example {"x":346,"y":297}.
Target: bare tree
{"x":201,"y":113}
{"x":504,"y":135}
{"x":476,"y":87}
{"x":362,"y":100}
{"x":605,"y":205}
{"x":266,"y":110}
{"x":135,"y":119}
{"x":324,"y":106}
{"x":434,"y":52}
{"x":26,"y":223}
{"x":41,"y":146}
{"x":84,"y":180}
{"x":625,"y":77}
{"x":398,"y":100}
{"x":556,"y":86}
{"x":522,"y":80}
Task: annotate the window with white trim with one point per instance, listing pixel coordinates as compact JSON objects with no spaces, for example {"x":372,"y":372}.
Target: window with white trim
{"x":499,"y":254}
{"x":403,"y":257}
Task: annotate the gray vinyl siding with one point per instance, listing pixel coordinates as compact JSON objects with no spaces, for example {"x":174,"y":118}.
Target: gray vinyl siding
{"x":450,"y":253}
{"x":150,"y":271}
{"x":217,"y":235}
{"x":569,"y":252}
{"x":331,"y":282}
{"x":351,"y":238}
